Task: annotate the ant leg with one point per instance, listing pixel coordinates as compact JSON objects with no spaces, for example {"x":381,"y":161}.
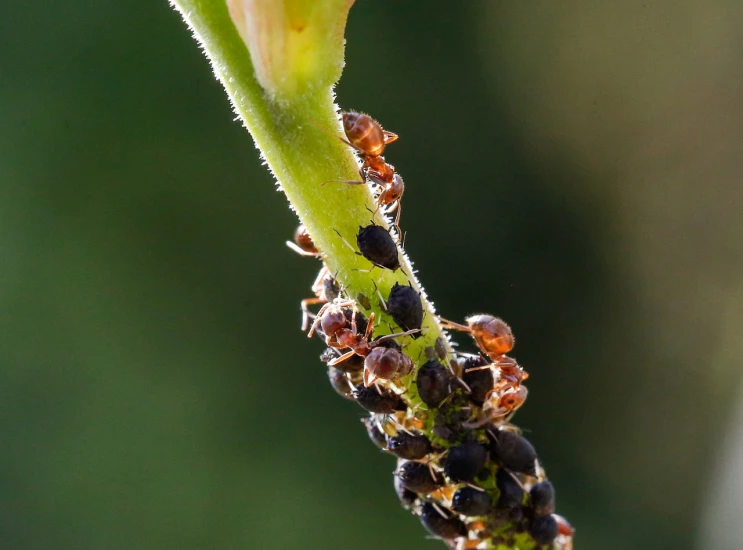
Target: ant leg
{"x":445,"y":323}
{"x":345,"y":357}
{"x":306,"y":312}
{"x":398,"y":207}
{"x":369,"y":378}
{"x":396,"y":335}
{"x":317,"y":320}
{"x":317,"y":285}
{"x":369,"y":326}
{"x":301,"y":252}
{"x":473,"y":369}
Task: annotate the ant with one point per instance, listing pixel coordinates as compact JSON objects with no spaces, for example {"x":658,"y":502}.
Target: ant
{"x":368,"y":138}
{"x":510,"y":373}
{"x":388,"y":364}
{"x":303,"y":243}
{"x":499,"y":405}
{"x":492,"y":335}
{"x":325,"y":289}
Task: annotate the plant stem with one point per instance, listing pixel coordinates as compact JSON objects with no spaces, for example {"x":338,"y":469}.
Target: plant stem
{"x":295,"y":126}
{"x":296,"y":136}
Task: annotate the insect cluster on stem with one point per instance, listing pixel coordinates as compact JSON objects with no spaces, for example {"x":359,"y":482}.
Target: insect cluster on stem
{"x":468,"y":474}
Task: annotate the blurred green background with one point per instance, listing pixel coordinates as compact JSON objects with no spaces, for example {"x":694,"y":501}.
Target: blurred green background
{"x":571,"y":166}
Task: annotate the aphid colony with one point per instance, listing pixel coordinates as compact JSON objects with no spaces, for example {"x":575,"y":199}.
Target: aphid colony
{"x":469,"y":475}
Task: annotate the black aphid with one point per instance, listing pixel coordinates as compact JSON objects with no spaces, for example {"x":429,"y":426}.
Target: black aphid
{"x":373,"y":401}
{"x":511,"y":493}
{"x":479,"y":381}
{"x":340,"y":383}
{"x":513,"y":451}
{"x":544,"y":530}
{"x":418,"y":477}
{"x":406,"y":496}
{"x":377,"y":246}
{"x":434,"y":383}
{"x":543,"y":498}
{"x":405,"y":307}
{"x":469,"y":501}
{"x":443,"y":527}
{"x":375,"y":434}
{"x":410,"y":446}
{"x":465,"y":461}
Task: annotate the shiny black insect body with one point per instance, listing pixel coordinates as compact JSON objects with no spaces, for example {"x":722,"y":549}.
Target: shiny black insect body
{"x":447,"y":528}
{"x":434,"y":383}
{"x":511,"y":493}
{"x":542,"y":497}
{"x":544,"y":530}
{"x":469,"y":501}
{"x":382,"y":401}
{"x":406,"y":496}
{"x":513,"y":451}
{"x":410,"y":446}
{"x":465,"y":461}
{"x":480,"y":381}
{"x":418,"y":477}
{"x":377,"y":246}
{"x":340,"y":383}
{"x":375,"y":434}
{"x":405,"y":307}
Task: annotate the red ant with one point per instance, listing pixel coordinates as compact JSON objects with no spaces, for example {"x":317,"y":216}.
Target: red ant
{"x":499,"y":405}
{"x":303,"y":243}
{"x":510,"y":373}
{"x":326,"y":290}
{"x":388,"y":364}
{"x":325,"y":287}
{"x":369,"y":139}
{"x":492,"y":335}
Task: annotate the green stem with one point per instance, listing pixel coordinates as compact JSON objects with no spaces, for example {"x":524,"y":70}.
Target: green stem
{"x":295,"y":125}
{"x":296,"y":136}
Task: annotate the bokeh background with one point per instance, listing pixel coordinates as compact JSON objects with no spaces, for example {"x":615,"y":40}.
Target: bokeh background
{"x":574,"y":167}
